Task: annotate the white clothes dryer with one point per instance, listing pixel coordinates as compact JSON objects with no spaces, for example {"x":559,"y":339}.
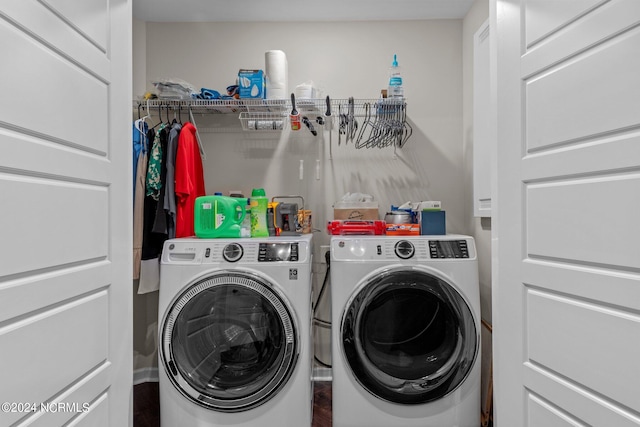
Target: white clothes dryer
{"x":235,"y":332}
{"x":406,"y":331}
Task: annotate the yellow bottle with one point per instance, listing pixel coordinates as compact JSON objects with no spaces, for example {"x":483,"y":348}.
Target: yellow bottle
{"x":259,"y":205}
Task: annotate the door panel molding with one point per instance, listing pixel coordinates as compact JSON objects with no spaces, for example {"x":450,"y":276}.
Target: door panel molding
{"x":567,"y":278}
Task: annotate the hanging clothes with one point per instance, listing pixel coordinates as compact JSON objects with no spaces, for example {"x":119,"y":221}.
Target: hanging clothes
{"x":160,"y":219}
{"x":189,"y":180}
{"x":149,"y":241}
{"x":169,"y":189}
{"x":152,"y":242}
{"x":138,"y":205}
{"x":140,"y":128}
{"x":154,"y":182}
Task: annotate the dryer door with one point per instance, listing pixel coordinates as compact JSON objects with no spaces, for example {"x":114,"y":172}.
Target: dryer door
{"x":408,"y":336}
{"x":229,"y":341}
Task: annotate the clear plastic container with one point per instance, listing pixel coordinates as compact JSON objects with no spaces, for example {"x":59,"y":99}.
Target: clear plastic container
{"x":245,"y":227}
{"x":396,"y":89}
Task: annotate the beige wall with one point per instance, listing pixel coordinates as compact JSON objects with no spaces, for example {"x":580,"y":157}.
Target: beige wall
{"x":344,"y":59}
{"x":479,"y":228}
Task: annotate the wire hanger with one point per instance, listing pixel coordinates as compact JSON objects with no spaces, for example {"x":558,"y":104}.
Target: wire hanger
{"x":167,"y":111}
{"x":148,"y":113}
{"x":202,"y":153}
{"x":159,"y":116}
{"x":141,"y":122}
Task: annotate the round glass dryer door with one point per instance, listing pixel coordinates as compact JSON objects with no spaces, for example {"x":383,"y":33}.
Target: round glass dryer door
{"x":408,"y":336}
{"x":229,"y":342}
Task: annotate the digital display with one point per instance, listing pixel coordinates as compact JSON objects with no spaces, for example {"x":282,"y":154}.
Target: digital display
{"x":278,"y":252}
{"x":448,"y":249}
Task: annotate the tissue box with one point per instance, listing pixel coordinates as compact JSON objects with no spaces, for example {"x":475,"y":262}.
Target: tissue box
{"x":356,"y":210}
{"x":429,"y":205}
{"x":251,"y":84}
{"x":433,"y":223}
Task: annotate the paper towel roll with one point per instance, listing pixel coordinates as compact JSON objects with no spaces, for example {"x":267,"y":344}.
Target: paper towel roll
{"x":277,"y":74}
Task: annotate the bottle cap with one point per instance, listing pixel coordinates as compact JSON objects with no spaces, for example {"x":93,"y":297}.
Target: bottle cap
{"x":258,"y":192}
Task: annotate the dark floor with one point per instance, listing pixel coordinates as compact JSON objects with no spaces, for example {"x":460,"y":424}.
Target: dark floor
{"x":146,"y":405}
{"x":146,"y":411}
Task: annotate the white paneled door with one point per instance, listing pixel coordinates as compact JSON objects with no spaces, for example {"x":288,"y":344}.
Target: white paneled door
{"x":65,"y":213}
{"x":567,"y":234}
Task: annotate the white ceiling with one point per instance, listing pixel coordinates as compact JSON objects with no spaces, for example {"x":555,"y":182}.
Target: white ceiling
{"x":297,"y":10}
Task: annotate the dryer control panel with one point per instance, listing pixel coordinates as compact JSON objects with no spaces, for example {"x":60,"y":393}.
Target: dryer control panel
{"x":448,"y":248}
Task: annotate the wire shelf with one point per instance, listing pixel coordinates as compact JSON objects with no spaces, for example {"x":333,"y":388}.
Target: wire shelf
{"x":310,"y":107}
{"x":368,"y":123}
{"x":215,"y":106}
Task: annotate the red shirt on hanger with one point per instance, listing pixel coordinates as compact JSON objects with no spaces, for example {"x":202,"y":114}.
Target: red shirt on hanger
{"x":189,"y":179}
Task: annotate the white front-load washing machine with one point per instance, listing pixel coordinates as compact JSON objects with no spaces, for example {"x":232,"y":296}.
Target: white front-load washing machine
{"x":235,"y":332}
{"x":406,"y":331}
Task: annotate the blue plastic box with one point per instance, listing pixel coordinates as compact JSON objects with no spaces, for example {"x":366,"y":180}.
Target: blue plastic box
{"x":433,"y":223}
{"x":251,"y":84}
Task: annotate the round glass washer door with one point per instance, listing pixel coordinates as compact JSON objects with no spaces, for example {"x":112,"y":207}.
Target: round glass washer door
{"x":408,"y":336}
{"x":229,"y":342}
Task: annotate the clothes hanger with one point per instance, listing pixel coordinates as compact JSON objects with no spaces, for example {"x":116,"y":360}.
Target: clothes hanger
{"x":141,"y":122}
{"x":159,"y":116}
{"x":193,"y":122}
{"x":144,"y":119}
{"x":175,"y":116}
{"x":165,"y":122}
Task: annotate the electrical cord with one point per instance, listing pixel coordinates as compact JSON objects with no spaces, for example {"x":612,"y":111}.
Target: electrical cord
{"x":327,"y":257}
{"x":321,"y":363}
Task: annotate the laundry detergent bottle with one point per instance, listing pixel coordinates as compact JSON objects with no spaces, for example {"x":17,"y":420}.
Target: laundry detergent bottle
{"x":259,"y":206}
{"x":218,"y":216}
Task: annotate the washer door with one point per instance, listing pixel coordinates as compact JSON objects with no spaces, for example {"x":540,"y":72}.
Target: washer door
{"x":408,"y":336}
{"x":229,"y":342}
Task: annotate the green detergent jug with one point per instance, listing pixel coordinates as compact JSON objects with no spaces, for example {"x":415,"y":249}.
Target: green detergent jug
{"x":218,"y":216}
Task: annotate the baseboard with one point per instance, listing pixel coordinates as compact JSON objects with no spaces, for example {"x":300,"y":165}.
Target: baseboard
{"x":321,"y":373}
{"x":145,"y":375}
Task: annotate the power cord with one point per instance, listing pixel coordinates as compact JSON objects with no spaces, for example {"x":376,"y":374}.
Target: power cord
{"x":327,"y":257}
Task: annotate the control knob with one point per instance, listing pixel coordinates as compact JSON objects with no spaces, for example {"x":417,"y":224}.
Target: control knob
{"x":404,"y":249}
{"x":232,"y":252}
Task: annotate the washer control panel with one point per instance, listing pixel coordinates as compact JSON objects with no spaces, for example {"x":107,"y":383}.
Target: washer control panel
{"x":278,"y":251}
{"x":238,"y":251}
{"x":448,"y":249}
